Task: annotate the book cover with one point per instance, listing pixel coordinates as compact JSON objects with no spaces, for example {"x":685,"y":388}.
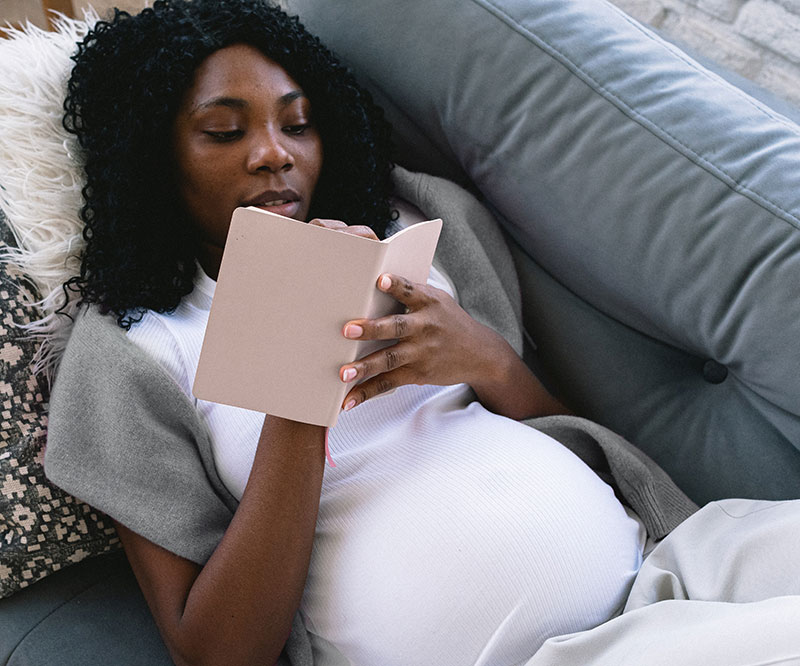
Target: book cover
{"x":285,"y":289}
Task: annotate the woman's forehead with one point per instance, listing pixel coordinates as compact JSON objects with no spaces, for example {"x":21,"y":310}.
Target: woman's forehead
{"x":241,"y":71}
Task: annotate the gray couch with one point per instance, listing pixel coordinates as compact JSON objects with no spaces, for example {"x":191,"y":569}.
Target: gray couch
{"x":654,"y":214}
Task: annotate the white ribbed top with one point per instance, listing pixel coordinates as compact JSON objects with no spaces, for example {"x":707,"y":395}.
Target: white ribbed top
{"x":446,"y":534}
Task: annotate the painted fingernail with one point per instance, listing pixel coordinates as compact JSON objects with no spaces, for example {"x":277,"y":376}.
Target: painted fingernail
{"x":385,"y":282}
{"x":349,"y":405}
{"x":353,"y":331}
{"x":349,"y":375}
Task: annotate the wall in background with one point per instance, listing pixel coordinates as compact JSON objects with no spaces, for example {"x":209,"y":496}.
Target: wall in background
{"x":19,"y":11}
{"x":102,"y":6}
{"x":759,"y":39}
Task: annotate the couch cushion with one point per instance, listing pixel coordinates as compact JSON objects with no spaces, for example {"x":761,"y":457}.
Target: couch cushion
{"x":40,"y":177}
{"x":658,"y":200}
{"x":92,"y":614}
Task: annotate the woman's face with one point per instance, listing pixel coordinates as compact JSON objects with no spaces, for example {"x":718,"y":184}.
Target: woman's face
{"x":243,"y":137}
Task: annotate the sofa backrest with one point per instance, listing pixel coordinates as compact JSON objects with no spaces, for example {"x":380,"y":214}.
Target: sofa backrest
{"x":654,"y":207}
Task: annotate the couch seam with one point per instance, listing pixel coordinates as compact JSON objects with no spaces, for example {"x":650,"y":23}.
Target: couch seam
{"x":645,"y":122}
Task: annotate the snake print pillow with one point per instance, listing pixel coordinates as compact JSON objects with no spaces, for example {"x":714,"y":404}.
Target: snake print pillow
{"x":42,"y":528}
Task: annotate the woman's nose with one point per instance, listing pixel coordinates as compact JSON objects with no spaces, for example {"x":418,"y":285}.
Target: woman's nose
{"x":267,"y":152}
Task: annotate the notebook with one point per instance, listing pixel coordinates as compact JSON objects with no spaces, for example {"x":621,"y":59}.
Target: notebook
{"x":285,"y":289}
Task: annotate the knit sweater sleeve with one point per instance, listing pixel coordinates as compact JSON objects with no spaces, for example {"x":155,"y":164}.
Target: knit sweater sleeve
{"x":124,"y":438}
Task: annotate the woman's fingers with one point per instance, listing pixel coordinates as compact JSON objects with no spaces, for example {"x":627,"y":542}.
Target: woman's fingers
{"x":375,"y":386}
{"x":338,"y":225}
{"x":328,"y":224}
{"x":392,"y":327}
{"x":410,"y":294}
{"x":361,"y":230}
{"x":379,"y":362}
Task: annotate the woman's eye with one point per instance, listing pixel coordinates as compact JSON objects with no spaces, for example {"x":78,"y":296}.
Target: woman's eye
{"x":224,"y":135}
{"x":297,"y":130}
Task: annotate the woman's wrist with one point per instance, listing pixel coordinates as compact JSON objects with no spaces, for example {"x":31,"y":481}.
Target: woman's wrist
{"x":492,"y":370}
{"x":505,"y":385}
{"x":297,"y":438}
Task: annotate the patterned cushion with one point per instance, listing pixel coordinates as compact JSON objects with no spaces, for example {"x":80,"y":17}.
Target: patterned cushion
{"x":42,"y":529}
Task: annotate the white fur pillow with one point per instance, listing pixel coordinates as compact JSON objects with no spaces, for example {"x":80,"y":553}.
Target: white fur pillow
{"x":40,"y":171}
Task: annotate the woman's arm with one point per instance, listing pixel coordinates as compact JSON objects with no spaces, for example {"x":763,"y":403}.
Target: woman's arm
{"x":238,"y":608}
{"x":439,"y":343}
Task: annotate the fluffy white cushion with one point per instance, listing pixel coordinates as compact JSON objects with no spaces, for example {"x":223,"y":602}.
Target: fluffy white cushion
{"x":40,"y":171}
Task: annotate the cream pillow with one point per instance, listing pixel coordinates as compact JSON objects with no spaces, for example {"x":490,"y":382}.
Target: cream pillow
{"x":40,"y":172}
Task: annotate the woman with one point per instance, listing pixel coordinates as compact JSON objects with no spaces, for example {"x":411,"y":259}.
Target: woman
{"x":448,"y":533}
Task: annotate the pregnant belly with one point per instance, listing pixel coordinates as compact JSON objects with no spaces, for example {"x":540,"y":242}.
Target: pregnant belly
{"x":460,"y":537}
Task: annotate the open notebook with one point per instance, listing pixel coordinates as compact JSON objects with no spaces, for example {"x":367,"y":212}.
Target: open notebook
{"x":285,"y":289}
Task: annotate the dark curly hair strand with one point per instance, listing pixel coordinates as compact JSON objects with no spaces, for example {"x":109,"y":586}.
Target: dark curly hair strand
{"x":126,"y":86}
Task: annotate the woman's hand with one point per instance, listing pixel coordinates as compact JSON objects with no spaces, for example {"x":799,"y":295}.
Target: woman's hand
{"x":337,"y":225}
{"x":439,"y":343}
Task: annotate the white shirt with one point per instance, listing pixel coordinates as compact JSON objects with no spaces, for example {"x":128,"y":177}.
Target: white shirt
{"x":446,"y":534}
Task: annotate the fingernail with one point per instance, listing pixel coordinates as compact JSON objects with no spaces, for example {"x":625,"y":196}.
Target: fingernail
{"x":385,"y":282}
{"x":349,"y":375}
{"x":353,"y":331}
{"x":350,"y":404}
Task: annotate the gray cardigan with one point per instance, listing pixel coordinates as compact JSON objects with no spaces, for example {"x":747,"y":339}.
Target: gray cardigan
{"x":125,"y":438}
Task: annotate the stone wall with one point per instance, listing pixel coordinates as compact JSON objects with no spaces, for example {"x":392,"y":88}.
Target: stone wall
{"x":759,"y":39}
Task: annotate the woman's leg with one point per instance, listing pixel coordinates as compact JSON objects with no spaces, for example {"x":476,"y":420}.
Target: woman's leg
{"x":734,"y":550}
{"x":723,"y":589}
{"x":686,"y":633}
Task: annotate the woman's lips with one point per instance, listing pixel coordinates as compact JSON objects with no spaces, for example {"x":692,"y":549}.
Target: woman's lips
{"x":285,"y":207}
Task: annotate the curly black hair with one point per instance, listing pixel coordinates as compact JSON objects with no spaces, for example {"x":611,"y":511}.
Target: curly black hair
{"x":129,"y":77}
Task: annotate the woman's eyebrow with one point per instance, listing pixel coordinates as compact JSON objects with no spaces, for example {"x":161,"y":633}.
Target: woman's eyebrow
{"x":231,"y":102}
{"x":239,"y":103}
{"x":288,"y":98}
